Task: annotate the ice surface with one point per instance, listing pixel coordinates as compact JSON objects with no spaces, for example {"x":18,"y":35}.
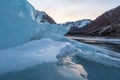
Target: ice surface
{"x":96,"y":54}
{"x":30,"y":54}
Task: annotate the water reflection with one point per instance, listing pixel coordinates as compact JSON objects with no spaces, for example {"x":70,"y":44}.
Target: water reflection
{"x":46,"y":71}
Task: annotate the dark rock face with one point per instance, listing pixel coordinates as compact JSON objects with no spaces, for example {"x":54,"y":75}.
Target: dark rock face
{"x":107,"y":25}
{"x":44,"y":17}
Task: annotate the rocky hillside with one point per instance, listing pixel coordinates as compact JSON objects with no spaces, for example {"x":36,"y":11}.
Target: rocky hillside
{"x":106,"y":25}
{"x":41,"y":16}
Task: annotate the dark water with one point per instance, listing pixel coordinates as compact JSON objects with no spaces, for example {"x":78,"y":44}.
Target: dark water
{"x":107,"y":45}
{"x":113,"y":47}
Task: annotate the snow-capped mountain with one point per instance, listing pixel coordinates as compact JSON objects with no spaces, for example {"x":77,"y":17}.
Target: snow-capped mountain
{"x":108,"y":24}
{"x":77,"y":24}
{"x":43,"y":17}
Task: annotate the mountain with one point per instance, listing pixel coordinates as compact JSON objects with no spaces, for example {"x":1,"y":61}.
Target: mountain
{"x":106,"y":25}
{"x":43,"y":17}
{"x":77,"y":24}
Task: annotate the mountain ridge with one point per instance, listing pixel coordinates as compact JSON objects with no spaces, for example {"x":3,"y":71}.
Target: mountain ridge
{"x":43,"y":17}
{"x":106,"y":25}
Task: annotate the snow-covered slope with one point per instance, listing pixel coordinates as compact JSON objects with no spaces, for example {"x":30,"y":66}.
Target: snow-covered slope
{"x":17,"y":22}
{"x":78,"y":24}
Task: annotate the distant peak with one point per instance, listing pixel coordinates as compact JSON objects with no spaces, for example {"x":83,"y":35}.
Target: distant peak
{"x":43,"y":17}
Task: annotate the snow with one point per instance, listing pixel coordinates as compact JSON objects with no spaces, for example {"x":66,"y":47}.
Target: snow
{"x":84,"y":23}
{"x":39,"y":16}
{"x":78,"y":24}
{"x":17,"y":22}
{"x":31,"y":54}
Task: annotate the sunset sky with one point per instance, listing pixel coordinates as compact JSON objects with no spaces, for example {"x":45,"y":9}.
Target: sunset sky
{"x":71,"y":10}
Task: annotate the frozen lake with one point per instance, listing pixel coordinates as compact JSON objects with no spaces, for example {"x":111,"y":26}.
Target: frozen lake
{"x":73,"y":66}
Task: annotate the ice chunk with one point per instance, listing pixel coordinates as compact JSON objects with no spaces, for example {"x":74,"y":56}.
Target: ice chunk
{"x":93,"y":53}
{"x":96,"y":54}
{"x":52,"y":31}
{"x":17,"y":22}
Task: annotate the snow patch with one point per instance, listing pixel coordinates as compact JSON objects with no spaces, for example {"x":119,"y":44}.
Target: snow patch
{"x":78,"y":24}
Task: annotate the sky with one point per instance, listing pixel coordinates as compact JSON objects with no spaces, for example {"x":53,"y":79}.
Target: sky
{"x":71,"y":10}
